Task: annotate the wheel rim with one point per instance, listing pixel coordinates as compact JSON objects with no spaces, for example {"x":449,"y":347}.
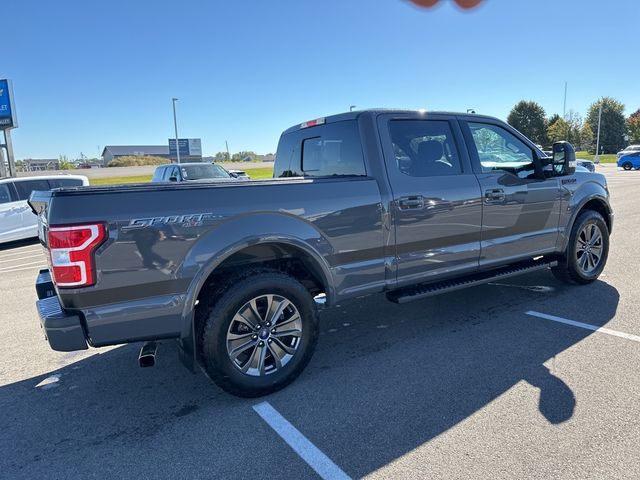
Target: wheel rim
{"x":590,"y":248}
{"x":264,"y":335}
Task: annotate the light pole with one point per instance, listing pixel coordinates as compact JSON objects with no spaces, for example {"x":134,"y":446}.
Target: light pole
{"x":175,"y":127}
{"x":597,"y":157}
{"x":351,"y":108}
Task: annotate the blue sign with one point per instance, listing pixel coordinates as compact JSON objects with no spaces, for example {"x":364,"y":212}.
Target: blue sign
{"x":7,"y":112}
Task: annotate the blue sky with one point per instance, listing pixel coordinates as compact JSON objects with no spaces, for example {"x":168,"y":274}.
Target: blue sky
{"x":89,"y":74}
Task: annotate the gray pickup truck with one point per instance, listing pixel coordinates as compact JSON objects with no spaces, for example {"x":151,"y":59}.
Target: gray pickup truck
{"x":406,"y":203}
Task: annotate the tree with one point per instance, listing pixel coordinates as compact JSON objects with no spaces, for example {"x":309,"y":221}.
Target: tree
{"x":633,"y":125}
{"x":558,"y":131}
{"x":586,"y":136}
{"x":528,"y":118}
{"x":243,"y":156}
{"x":221,"y":157}
{"x":553,"y":119}
{"x":64,"y":163}
{"x":613,"y":126}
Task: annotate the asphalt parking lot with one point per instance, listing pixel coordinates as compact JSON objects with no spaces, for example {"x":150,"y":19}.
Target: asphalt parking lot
{"x":481,"y":383}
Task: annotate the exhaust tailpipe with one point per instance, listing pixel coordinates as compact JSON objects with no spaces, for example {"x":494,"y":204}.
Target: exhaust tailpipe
{"x":147,"y":357}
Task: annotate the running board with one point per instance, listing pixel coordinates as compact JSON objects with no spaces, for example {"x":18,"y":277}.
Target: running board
{"x":417,"y":292}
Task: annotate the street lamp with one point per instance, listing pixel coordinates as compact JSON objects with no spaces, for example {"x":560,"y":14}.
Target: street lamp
{"x":351,"y":108}
{"x":175,"y":127}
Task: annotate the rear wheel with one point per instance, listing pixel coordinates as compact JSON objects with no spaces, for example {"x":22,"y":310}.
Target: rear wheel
{"x":259,"y":335}
{"x":587,"y":251}
{"x":627,"y":166}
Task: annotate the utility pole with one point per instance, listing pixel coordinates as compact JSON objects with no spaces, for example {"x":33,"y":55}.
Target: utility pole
{"x":598,"y":137}
{"x":175,"y":127}
{"x":564,"y":106}
{"x":228,"y":155}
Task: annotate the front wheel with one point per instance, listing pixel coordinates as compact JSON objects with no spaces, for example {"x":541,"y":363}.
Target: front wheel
{"x":587,"y":251}
{"x":259,"y":334}
{"x":627,"y":166}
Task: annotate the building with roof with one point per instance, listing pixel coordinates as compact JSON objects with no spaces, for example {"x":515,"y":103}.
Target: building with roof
{"x":112,"y":152}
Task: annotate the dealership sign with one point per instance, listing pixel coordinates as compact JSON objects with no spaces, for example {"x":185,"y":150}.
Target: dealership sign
{"x":7,"y":109}
{"x":189,"y":147}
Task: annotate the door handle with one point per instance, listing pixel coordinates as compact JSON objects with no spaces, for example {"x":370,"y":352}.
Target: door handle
{"x":413,"y":202}
{"x":495,"y":195}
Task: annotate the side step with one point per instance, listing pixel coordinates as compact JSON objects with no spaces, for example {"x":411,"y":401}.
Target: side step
{"x":417,"y":292}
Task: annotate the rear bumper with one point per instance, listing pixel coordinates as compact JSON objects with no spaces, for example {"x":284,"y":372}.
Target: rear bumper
{"x":63,"y":330}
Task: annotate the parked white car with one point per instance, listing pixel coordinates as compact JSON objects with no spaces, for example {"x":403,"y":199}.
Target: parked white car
{"x":628,"y":150}
{"x":17,"y":221}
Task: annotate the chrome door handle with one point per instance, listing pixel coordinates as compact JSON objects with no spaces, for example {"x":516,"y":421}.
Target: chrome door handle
{"x":411,"y":203}
{"x":495,"y":195}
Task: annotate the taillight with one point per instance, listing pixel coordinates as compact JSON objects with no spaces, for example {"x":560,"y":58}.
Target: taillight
{"x":71,"y":251}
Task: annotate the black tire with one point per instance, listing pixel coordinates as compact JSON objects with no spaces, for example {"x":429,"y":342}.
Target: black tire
{"x":217,"y":318}
{"x":569,"y":269}
{"x":627,"y":166}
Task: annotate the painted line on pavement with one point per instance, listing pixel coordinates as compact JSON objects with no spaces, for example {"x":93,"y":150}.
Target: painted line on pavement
{"x":23,"y":268}
{"x":587,"y":326}
{"x":300,"y":444}
{"x":13,"y":253}
{"x":36,"y":262}
{"x":8,"y":260}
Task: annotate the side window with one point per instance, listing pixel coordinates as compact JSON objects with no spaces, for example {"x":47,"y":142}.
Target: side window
{"x":5,"y":193}
{"x":64,"y":182}
{"x":424,"y":148}
{"x":287,"y":163}
{"x":333,"y":150}
{"x":499,"y":149}
{"x":25,"y":187}
{"x":171,"y":172}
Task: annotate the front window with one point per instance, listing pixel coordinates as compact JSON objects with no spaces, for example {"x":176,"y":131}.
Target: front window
{"x":500,"y":150}
{"x":203,"y":172}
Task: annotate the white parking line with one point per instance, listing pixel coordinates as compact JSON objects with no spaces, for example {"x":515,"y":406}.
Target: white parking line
{"x":36,"y":262}
{"x":12,"y":253}
{"x":587,"y":326}
{"x":23,"y":268}
{"x":8,"y":260}
{"x":299,"y":443}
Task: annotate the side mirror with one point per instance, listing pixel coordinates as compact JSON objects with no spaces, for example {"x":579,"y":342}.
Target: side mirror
{"x":564,"y":159}
{"x":173,"y":179}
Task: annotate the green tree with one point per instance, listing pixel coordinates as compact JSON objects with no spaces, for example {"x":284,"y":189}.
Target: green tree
{"x":221,"y":157}
{"x":633,"y":125}
{"x":613,"y":126}
{"x":553,"y":119}
{"x":558,"y":131}
{"x":243,"y":156}
{"x":64,"y":163}
{"x":586,"y":136}
{"x":528,"y":118}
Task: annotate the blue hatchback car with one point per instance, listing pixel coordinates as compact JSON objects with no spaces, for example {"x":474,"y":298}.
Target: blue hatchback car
{"x":630,"y":161}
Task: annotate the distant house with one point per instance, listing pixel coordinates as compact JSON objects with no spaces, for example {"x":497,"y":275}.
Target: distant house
{"x":40,"y":164}
{"x":269,"y":157}
{"x":112,"y":152}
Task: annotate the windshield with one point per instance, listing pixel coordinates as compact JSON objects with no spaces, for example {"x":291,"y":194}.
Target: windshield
{"x":203,"y":172}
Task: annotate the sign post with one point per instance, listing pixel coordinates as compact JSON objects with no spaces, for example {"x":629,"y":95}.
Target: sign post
{"x":8,"y":120}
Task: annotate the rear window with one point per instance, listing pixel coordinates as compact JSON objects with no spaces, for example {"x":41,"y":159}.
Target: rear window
{"x":25,"y":187}
{"x":324,"y":151}
{"x":64,"y":182}
{"x":5,"y":193}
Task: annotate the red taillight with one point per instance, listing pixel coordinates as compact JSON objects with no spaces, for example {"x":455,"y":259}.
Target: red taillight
{"x":71,"y":252}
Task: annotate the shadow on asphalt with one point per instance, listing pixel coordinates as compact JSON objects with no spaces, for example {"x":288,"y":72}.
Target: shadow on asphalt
{"x":385,"y":379}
